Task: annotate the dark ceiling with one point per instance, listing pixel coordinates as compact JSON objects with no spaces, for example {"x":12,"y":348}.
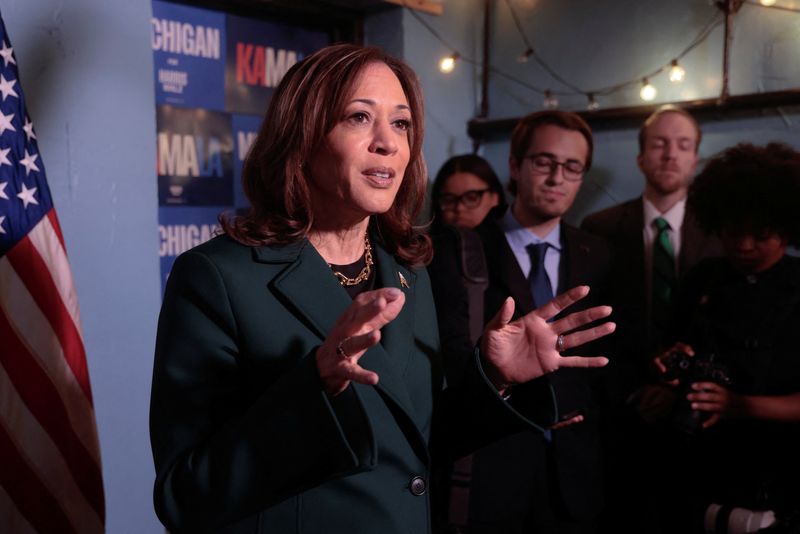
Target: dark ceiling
{"x":343,"y":18}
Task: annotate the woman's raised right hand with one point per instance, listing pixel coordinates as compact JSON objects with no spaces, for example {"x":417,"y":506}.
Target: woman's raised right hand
{"x":356,"y":330}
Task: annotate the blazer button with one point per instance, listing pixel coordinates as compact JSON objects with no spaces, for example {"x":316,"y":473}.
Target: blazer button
{"x":417,"y":486}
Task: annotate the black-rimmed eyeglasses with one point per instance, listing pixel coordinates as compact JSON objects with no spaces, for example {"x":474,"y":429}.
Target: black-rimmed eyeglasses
{"x":544,"y":164}
{"x":470,"y":199}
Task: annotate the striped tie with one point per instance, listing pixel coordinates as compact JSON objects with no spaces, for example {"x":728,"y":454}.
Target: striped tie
{"x":663,"y":273}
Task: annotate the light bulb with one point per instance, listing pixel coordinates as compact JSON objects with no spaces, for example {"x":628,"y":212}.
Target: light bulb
{"x":768,"y":2}
{"x":550,"y":102}
{"x":525,"y":56}
{"x":676,"y":72}
{"x":448,"y":63}
{"x":593,"y":104}
{"x":648,"y":92}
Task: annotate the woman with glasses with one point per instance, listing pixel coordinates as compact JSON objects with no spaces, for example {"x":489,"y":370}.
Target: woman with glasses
{"x":466,"y":189}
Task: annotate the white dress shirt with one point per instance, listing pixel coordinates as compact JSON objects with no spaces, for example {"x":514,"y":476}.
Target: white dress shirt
{"x":674,"y":216}
{"x":519,"y":238}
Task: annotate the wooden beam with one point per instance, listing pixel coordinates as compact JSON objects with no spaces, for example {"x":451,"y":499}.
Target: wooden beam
{"x":705,"y":110}
{"x":433,"y":7}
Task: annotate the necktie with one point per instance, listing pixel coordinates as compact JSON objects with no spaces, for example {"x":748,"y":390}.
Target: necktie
{"x":663,"y":273}
{"x":541,"y":289}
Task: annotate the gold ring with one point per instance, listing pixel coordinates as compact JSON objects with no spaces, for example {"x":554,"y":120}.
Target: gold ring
{"x":340,"y":350}
{"x":560,"y":343}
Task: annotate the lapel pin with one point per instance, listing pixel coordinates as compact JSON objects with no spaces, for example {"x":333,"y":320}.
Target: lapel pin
{"x":403,"y":281}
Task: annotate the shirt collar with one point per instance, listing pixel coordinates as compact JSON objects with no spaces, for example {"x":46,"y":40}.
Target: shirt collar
{"x":520,"y":237}
{"x":674,"y":215}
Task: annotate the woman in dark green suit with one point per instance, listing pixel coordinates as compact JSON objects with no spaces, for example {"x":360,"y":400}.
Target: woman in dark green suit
{"x":296,"y":367}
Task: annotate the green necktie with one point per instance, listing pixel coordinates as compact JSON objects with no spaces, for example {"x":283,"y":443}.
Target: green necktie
{"x":663,"y":273}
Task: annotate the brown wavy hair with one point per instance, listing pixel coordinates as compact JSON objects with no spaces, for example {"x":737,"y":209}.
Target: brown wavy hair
{"x":305,"y":107}
{"x":523,"y":133}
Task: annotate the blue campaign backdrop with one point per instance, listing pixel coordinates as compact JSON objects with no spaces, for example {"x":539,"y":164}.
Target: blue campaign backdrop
{"x":181,"y":228}
{"x":195,"y":157}
{"x":259,"y":54}
{"x":214,"y":76}
{"x":188,"y":56}
{"x":245,"y":129}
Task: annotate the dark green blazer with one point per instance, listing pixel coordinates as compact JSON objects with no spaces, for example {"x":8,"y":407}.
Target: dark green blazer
{"x":244,"y":437}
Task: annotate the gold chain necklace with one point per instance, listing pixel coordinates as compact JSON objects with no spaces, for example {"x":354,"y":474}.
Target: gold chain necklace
{"x":365,"y":272}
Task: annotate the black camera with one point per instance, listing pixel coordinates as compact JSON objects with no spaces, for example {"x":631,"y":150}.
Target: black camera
{"x":687,"y":370}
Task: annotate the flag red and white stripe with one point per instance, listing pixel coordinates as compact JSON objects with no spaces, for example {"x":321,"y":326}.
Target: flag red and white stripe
{"x":50,"y":474}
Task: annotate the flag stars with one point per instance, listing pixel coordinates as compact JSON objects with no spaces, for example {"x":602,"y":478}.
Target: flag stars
{"x":5,"y":122}
{"x":4,"y":157}
{"x":2,"y":219}
{"x":7,"y":54}
{"x":29,"y":129}
{"x":7,"y":88}
{"x":3,"y":190}
{"x":29,"y":162}
{"x":26,"y":196}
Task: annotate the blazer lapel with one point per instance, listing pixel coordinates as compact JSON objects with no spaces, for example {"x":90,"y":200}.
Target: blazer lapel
{"x":313,"y":293}
{"x":392,"y":355}
{"x":309,"y":292}
{"x":508,"y":274}
{"x":632,"y":227}
{"x":692,"y":242}
{"x":574,"y":268}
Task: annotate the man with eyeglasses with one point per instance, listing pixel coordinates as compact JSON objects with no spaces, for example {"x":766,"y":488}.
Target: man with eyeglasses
{"x":543,"y":483}
{"x":654,"y":241}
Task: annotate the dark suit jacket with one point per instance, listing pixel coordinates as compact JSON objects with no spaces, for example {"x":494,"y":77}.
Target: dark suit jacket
{"x":622,"y":227}
{"x":521,"y":479}
{"x":244,"y":437}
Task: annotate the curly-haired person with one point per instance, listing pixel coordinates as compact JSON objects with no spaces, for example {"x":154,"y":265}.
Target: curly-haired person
{"x":744,"y":309}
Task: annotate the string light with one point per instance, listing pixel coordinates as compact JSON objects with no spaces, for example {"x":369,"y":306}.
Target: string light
{"x":525,"y":56}
{"x":676,"y":72}
{"x":772,"y":4}
{"x":550,"y":101}
{"x":648,"y":91}
{"x":448,"y":63}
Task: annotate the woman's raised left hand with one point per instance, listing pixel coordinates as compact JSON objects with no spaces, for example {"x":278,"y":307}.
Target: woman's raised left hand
{"x":525,"y":349}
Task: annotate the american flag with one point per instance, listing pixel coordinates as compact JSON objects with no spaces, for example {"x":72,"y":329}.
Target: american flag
{"x":50,"y":478}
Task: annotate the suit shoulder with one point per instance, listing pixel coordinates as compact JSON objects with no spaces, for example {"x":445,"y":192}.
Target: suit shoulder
{"x":592,"y":246}
{"x":224,"y":249}
{"x":602,"y":222}
{"x":219,"y":249}
{"x":584,"y":236}
{"x":488,"y":228}
{"x":216,"y":258}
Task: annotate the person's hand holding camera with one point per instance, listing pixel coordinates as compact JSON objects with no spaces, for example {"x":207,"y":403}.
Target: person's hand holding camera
{"x":656,"y":401}
{"x":717,"y":400}
{"x":660,"y":363}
